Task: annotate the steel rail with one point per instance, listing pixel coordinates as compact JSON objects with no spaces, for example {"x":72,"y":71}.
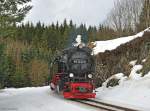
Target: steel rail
{"x":103,"y":105}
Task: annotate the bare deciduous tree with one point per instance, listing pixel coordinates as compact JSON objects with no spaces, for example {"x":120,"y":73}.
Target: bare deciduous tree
{"x":125,"y":15}
{"x":145,"y":16}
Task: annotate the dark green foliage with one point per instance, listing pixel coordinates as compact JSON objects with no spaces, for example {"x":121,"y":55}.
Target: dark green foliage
{"x":19,"y":79}
{"x":10,"y":14}
{"x":6,"y":67}
{"x":2,"y":61}
{"x":56,"y":37}
{"x":27,"y":56}
{"x":113,"y":82}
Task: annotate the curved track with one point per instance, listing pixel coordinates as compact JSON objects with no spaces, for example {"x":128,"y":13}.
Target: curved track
{"x":103,"y":106}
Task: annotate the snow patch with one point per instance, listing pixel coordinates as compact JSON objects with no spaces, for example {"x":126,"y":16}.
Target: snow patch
{"x":134,"y":74}
{"x":133,"y":62}
{"x":119,"y":75}
{"x":144,"y":60}
{"x":102,"y":46}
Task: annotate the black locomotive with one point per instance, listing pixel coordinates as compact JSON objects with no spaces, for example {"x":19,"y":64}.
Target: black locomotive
{"x":74,"y":76}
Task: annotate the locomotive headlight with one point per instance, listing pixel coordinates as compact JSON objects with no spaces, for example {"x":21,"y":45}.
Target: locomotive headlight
{"x":71,"y":75}
{"x":90,"y":76}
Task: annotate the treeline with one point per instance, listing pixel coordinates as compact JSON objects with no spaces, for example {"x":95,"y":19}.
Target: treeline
{"x":27,"y":50}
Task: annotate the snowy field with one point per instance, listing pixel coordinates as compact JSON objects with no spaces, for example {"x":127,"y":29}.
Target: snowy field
{"x":36,"y":99}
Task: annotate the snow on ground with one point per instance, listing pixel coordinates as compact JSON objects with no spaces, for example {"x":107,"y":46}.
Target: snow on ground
{"x":36,"y":99}
{"x":102,"y":46}
{"x":131,"y":92}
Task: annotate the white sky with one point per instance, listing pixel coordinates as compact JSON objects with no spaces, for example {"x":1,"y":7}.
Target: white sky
{"x":90,"y":12}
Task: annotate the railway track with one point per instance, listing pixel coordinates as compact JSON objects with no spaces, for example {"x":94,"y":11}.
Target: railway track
{"x":103,"y":106}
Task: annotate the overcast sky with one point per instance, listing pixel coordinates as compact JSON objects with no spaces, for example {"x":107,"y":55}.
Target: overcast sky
{"x":90,"y":12}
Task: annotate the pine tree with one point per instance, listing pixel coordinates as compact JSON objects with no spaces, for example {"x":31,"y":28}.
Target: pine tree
{"x":6,"y":67}
{"x":57,"y":26}
{"x":71,"y":25}
{"x":11,"y":13}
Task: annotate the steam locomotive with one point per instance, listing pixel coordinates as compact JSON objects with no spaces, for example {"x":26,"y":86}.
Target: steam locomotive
{"x":73,"y":75}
